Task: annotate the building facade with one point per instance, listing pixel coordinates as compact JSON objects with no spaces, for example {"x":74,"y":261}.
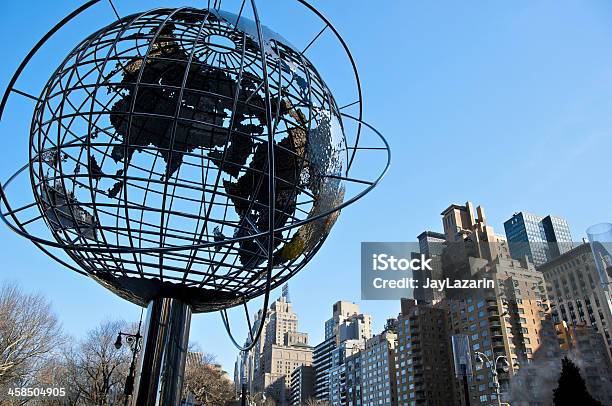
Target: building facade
{"x":281,"y":349}
{"x":512,"y":321}
{"x":338,"y":379}
{"x":347,"y":322}
{"x":431,"y":242}
{"x":353,"y":380}
{"x":347,"y":325}
{"x":540,"y":239}
{"x":465,"y":224}
{"x":322,"y":362}
{"x":249,"y":364}
{"x":378,"y":384}
{"x":577,"y":295}
{"x":424,"y":371}
{"x":302,"y":385}
{"x":589,"y":352}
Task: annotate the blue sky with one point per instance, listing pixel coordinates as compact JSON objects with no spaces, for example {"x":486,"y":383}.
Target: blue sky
{"x":506,"y":104}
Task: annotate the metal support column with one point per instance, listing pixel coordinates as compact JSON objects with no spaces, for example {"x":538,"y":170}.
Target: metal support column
{"x":161,"y":369}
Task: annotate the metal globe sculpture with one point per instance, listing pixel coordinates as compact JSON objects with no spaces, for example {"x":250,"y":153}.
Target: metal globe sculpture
{"x":154,"y":145}
{"x":188,"y":160}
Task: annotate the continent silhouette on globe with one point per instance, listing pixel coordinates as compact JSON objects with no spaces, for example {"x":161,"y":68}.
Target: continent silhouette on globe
{"x":153,"y":159}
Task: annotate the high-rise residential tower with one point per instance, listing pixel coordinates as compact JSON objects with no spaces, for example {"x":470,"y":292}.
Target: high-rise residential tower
{"x":511,"y":321}
{"x":338,"y":380}
{"x":378,"y":383}
{"x":322,"y":362}
{"x":424,"y":373}
{"x":345,"y":331}
{"x":302,"y":385}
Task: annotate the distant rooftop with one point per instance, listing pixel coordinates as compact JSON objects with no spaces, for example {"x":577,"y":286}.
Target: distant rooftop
{"x":453,"y":207}
{"x":434,"y":234}
{"x":584,"y":248}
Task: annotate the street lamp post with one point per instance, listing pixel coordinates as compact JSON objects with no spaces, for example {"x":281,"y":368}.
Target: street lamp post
{"x":505,"y":366}
{"x":135,"y":342}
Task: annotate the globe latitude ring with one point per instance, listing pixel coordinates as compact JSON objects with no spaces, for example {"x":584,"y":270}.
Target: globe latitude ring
{"x":189,"y":153}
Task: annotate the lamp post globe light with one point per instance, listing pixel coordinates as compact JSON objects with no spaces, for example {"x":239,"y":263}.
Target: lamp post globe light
{"x":188,"y":160}
{"x":134,"y":342}
{"x":482,"y":360}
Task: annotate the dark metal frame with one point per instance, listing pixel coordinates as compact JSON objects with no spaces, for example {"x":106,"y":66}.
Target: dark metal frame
{"x":88,"y":256}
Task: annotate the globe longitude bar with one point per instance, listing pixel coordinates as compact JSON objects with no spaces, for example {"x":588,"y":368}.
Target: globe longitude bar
{"x":188,"y":160}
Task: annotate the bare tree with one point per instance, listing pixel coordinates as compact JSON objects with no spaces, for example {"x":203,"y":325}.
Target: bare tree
{"x":205,"y":381}
{"x":52,"y":374}
{"x":29,"y":332}
{"x":260,"y":400}
{"x":95,"y":369}
{"x":255,"y":399}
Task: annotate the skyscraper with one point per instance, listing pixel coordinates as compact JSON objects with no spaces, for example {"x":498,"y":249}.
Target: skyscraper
{"x":344,"y":332}
{"x":511,"y":321}
{"x":540,"y":239}
{"x":431,"y":243}
{"x":281,"y":349}
{"x":558,"y":235}
{"x":250,"y":361}
{"x":463,"y":223}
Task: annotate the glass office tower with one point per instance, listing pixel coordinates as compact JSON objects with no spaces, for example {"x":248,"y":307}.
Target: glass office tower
{"x":541,"y":239}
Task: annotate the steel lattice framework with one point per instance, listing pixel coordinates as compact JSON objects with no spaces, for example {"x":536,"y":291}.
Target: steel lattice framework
{"x":190,"y":153}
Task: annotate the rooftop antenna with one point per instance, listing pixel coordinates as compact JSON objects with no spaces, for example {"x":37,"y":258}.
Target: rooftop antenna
{"x":285,"y":293}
